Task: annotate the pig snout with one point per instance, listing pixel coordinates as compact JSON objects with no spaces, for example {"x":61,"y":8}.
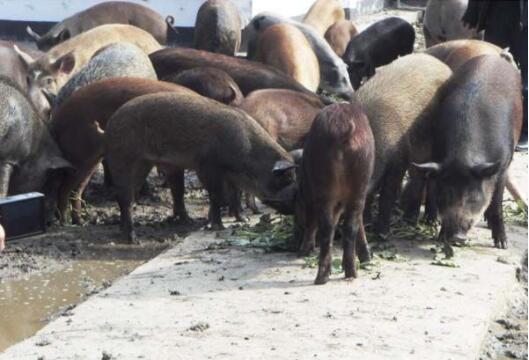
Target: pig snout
{"x":282,"y":201}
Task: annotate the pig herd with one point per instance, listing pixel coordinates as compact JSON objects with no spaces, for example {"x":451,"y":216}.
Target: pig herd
{"x":103,"y":86}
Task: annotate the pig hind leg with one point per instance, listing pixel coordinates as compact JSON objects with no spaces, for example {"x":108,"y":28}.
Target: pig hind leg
{"x":308,"y":242}
{"x":495,"y":213}
{"x":175,"y":180}
{"x":128,"y":183}
{"x":213,"y":181}
{"x":351,"y":228}
{"x":326,"y":227}
{"x":81,"y":182}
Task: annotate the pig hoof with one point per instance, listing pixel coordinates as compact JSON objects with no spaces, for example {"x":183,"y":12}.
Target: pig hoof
{"x":449,"y":251}
{"x":321,"y":279}
{"x":215,"y":227}
{"x":305,"y":251}
{"x":350,"y":274}
{"x":501,"y":244}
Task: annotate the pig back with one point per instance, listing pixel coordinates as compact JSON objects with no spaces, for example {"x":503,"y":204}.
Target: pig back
{"x":400,"y":101}
{"x":116,"y":60}
{"x":481,"y":103}
{"x":188,"y":129}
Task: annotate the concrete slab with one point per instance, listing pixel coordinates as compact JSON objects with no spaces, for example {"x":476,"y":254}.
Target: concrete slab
{"x":239,"y":303}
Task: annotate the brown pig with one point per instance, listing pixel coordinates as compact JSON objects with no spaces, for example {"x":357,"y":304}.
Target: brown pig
{"x":184,"y":131}
{"x":401,"y":119}
{"x":286,"y":115}
{"x":455,"y":53}
{"x":218,"y":27}
{"x":337,"y":162}
{"x":79,"y":123}
{"x":53,"y":69}
{"x":284,"y":47}
{"x":209,"y":82}
{"x":323,"y":13}
{"x":339,"y":35}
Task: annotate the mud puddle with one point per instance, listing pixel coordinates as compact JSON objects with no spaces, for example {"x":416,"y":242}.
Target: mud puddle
{"x":26,"y":305}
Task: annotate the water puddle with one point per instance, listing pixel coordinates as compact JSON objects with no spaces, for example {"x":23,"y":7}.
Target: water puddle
{"x":27,"y":305}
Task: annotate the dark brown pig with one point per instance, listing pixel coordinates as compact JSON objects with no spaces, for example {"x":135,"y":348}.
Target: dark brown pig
{"x":339,"y":35}
{"x":284,"y":47}
{"x":79,"y":123}
{"x":286,"y":115}
{"x":249,"y":75}
{"x":401,"y":118}
{"x":109,"y":12}
{"x":337,"y":162}
{"x":209,"y":82}
{"x":180,"y":132}
{"x":218,"y":27}
{"x":480,"y":116}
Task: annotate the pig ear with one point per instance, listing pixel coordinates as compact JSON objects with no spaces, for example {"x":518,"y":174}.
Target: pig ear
{"x":32,"y":33}
{"x":26,"y":59}
{"x":430,"y":168}
{"x":64,"y":64}
{"x":485,"y":170}
{"x":297,"y":155}
{"x":281,"y":167}
{"x":63,"y":35}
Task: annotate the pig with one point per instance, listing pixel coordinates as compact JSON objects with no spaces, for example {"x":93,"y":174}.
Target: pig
{"x":480,"y":115}
{"x":249,"y":75}
{"x":110,"y":12}
{"x":284,"y":47}
{"x":209,"y":82}
{"x":13,"y":67}
{"x":227,"y":145}
{"x":378,"y":45}
{"x":323,"y":13}
{"x":455,"y":53}
{"x":401,"y":119}
{"x":339,"y":35}
{"x":116,"y":60}
{"x":218,"y":27}
{"x":30,"y":160}
{"x":442,"y":22}
{"x":78,"y":126}
{"x":333,"y":71}
{"x":337,"y":163}
{"x":286,"y":115}
{"x":52,"y":70}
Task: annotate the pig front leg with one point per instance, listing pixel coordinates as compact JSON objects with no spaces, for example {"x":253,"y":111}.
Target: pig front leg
{"x":388,"y":195}
{"x":251,"y":204}
{"x":411,"y":197}
{"x":308,"y":242}
{"x":495,"y":213}
{"x":6,"y":170}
